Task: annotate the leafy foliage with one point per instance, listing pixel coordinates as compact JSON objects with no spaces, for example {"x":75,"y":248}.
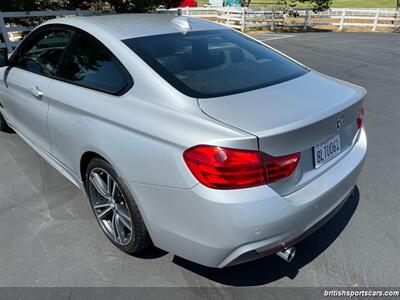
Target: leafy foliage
{"x":117,"y":5}
{"x":316,"y":5}
{"x":141,"y":5}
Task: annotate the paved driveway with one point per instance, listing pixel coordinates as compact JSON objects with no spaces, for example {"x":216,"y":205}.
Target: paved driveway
{"x":49,"y":237}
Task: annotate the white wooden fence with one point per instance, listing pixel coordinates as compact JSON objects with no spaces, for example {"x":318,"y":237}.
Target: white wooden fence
{"x":251,"y":18}
{"x":5,"y":29}
{"x":365,"y":18}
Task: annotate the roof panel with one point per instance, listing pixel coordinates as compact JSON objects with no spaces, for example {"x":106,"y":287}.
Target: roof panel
{"x":137,"y":25}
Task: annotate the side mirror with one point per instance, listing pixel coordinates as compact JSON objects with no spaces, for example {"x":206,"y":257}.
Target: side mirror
{"x":3,"y":58}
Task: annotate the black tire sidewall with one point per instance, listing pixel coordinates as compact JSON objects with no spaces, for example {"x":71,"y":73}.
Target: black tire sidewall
{"x":3,"y":124}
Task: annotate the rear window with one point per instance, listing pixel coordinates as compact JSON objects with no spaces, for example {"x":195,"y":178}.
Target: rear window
{"x":214,"y":63}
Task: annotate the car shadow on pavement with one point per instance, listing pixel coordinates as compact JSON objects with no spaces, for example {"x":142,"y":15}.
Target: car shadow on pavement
{"x":151,"y":252}
{"x":9,"y":130}
{"x":272,"y":268}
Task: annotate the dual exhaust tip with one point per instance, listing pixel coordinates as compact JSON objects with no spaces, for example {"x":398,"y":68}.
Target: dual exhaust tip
{"x":287,"y":254}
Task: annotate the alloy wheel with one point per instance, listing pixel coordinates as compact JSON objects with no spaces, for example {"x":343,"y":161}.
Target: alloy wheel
{"x":110,"y":206}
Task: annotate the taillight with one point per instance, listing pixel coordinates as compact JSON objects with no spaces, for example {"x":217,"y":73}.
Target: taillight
{"x":226,"y":168}
{"x":360,"y":119}
{"x":223,"y":168}
{"x":280,"y":167}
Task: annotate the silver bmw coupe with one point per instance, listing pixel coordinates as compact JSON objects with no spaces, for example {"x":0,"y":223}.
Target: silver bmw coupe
{"x":186,"y":134}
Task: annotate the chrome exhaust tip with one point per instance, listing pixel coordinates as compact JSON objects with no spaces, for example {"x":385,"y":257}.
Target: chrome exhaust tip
{"x":287,"y":254}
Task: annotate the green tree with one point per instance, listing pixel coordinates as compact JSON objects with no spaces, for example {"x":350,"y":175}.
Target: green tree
{"x":18,"y":5}
{"x":141,"y":5}
{"x":117,"y":5}
{"x":316,"y":5}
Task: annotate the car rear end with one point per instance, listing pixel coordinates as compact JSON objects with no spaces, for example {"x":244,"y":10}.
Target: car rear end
{"x":249,"y":203}
{"x":312,"y":147}
{"x":222,"y":227}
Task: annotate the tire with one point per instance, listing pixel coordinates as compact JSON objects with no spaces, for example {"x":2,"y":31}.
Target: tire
{"x":3,"y":124}
{"x":113,"y":205}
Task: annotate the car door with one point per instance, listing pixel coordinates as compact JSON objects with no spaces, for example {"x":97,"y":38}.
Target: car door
{"x":83,"y":97}
{"x":29,"y":75}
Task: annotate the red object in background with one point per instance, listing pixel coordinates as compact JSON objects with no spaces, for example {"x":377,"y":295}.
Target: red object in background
{"x":188,"y":3}
{"x":360,"y":118}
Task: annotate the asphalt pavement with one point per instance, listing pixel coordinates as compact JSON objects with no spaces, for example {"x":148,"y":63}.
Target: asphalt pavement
{"x":49,"y":236}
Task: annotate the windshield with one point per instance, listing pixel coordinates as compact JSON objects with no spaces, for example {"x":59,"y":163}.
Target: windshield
{"x":204,"y":64}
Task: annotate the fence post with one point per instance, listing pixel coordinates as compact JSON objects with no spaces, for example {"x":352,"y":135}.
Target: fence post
{"x":228,"y":14}
{"x":242,"y":22}
{"x":273,"y":19}
{"x":306,"y":21}
{"x":3,"y":30}
{"x":342,"y":19}
{"x":376,"y":20}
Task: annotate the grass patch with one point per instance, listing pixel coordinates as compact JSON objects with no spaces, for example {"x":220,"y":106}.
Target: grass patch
{"x":365,"y":3}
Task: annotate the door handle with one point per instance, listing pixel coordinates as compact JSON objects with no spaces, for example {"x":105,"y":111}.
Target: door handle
{"x":37,"y":93}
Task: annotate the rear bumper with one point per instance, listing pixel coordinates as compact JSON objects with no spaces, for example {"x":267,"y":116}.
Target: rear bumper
{"x":217,"y":228}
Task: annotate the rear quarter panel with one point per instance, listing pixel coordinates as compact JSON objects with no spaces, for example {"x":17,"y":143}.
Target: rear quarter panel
{"x":143,"y":141}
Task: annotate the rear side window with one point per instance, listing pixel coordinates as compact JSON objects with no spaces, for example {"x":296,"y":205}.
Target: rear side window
{"x":43,"y":53}
{"x":214,"y":63}
{"x":92,"y":65}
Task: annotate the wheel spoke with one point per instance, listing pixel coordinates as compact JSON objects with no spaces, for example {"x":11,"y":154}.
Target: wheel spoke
{"x":104,"y":213}
{"x":98,"y":206}
{"x":116,"y":229}
{"x":109,"y":183}
{"x":99,"y":185}
{"x":113,"y":189}
{"x":124,"y":218}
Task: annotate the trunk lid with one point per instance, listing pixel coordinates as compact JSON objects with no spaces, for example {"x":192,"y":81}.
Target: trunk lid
{"x":293,"y":117}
